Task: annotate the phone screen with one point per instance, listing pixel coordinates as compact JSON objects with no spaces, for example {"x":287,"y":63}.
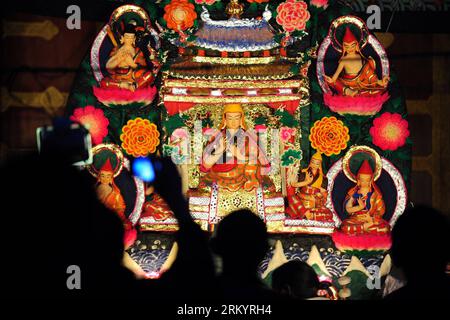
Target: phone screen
{"x":143,"y":169}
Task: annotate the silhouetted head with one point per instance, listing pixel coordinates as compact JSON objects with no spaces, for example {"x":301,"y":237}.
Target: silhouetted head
{"x":420,"y":242}
{"x":297,"y":279}
{"x":241,"y":239}
{"x":56,"y":221}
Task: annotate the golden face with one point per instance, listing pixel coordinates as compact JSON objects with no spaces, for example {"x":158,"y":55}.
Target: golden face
{"x":105,"y":177}
{"x":233,"y":120}
{"x":315,"y":164}
{"x":350,"y":47}
{"x":364,"y":180}
{"x":128,"y":39}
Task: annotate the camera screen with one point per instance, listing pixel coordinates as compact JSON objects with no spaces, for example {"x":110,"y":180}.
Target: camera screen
{"x":72,"y":143}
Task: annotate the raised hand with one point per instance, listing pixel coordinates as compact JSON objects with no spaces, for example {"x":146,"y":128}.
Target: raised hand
{"x":328,"y":79}
{"x":130,"y":61}
{"x":221,"y":146}
{"x":361,"y":203}
{"x":308,"y":177}
{"x":168,"y":181}
{"x":122,"y":54}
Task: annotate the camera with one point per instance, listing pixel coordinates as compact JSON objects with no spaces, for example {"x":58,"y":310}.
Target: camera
{"x":65,"y":140}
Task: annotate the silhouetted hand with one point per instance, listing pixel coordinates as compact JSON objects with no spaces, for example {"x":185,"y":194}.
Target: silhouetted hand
{"x":168,"y":182}
{"x":168,"y":185}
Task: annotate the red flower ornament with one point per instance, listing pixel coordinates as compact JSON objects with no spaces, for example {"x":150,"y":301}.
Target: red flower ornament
{"x":319,"y":3}
{"x":389,"y":131}
{"x":180,"y":15}
{"x":94,"y":120}
{"x":292,"y":15}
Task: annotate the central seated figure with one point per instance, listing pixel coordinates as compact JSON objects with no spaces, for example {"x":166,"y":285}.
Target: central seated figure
{"x":234,"y":173}
{"x":233,"y":159}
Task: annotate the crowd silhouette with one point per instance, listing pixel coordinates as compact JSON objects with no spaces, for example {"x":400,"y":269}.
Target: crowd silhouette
{"x":242,"y":242}
{"x":54,"y":220}
{"x":296,"y":279}
{"x":420,"y":249}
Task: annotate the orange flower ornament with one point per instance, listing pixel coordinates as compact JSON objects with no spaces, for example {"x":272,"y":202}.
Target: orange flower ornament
{"x":329,"y":136}
{"x":139,"y":137}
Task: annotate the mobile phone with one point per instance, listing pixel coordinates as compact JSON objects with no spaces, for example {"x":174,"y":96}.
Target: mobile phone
{"x":146,"y":168}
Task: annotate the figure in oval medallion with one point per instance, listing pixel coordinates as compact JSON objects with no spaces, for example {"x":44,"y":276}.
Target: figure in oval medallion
{"x":365,"y":206}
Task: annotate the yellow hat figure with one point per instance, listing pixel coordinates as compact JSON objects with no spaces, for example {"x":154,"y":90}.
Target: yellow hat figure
{"x":317,"y":156}
{"x":233,"y":108}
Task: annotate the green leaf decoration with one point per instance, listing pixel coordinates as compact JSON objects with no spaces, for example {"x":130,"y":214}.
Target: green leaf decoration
{"x":218,"y":5}
{"x":207,"y":123}
{"x":290,"y":157}
{"x":286,"y":119}
{"x":260,"y":120}
{"x":252,"y":8}
{"x":315,"y":87}
{"x":191,"y":38}
{"x":278,"y":37}
{"x":174,"y":122}
{"x":316,"y":107}
{"x":295,"y":69}
{"x":168,"y":150}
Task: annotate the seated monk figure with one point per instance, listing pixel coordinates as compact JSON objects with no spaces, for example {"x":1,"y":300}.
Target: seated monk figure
{"x":127,"y":66}
{"x":355,"y":75}
{"x":309,"y":202}
{"x":365,"y":206}
{"x":233,"y":159}
{"x":109,"y":194}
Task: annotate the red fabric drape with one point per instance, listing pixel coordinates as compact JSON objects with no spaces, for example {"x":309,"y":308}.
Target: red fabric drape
{"x":175,"y":107}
